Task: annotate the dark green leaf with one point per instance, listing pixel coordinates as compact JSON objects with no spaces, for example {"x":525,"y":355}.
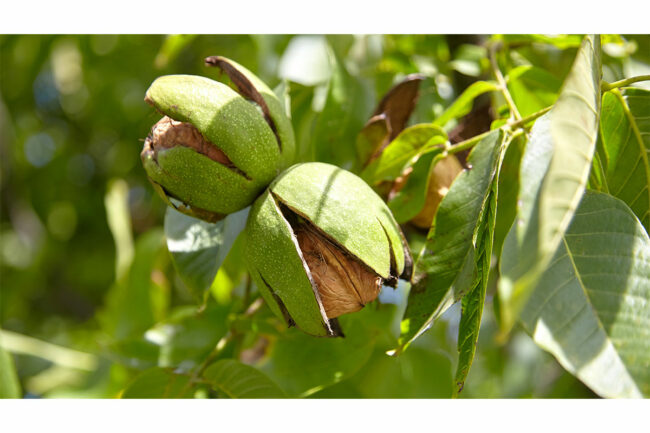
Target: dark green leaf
{"x":472,"y":303}
{"x":553,"y":179}
{"x":590,"y":308}
{"x":446,"y":268}
{"x":239,"y":380}
{"x":508,"y":190}
{"x":198,"y":248}
{"x":625,"y":131}
{"x":410,"y":200}
{"x":159,"y":383}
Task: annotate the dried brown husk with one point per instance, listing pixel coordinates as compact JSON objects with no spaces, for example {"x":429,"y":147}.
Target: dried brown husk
{"x":168,"y":133}
{"x":343,"y":283}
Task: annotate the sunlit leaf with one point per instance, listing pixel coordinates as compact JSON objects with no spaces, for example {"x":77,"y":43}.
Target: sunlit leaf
{"x":559,"y":41}
{"x":591,"y":308}
{"x":463,"y":104}
{"x":198,"y":248}
{"x":553,"y":178}
{"x":159,"y":383}
{"x":406,"y":146}
{"x":446,"y":269}
{"x":625,"y":131}
{"x":238,"y":380}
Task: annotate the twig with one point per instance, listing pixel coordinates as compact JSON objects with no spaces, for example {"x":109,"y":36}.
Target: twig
{"x":503,"y":87}
{"x":605,"y":86}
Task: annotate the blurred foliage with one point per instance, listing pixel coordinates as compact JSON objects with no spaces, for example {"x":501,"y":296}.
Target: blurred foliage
{"x":89,"y":296}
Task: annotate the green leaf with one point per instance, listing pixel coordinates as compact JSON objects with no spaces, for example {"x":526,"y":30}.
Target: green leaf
{"x":625,"y":132}
{"x":472,"y":303}
{"x":198,"y":248}
{"x":239,"y":380}
{"x":410,"y":143}
{"x":347,"y":105}
{"x":590,"y":308}
{"x":559,"y":41}
{"x":508,"y":190}
{"x":463,"y":104}
{"x":171,"y":48}
{"x":9,"y":384}
{"x":446,"y":268}
{"x":159,"y":383}
{"x":410,"y":200}
{"x":303,"y":365}
{"x":188,"y":336}
{"x":553,"y":178}
{"x":532,"y":88}
{"x":131,"y":306}
{"x":417,"y":373}
{"x":370,"y":139}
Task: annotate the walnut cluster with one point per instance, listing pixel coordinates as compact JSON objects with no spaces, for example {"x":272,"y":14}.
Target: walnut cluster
{"x":344,"y":284}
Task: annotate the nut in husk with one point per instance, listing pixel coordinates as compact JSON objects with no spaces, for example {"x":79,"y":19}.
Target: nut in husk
{"x":321,"y":243}
{"x":215,"y":150}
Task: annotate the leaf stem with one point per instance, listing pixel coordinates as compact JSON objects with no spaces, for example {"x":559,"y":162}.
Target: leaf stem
{"x":523,"y":122}
{"x":502,"y":83}
{"x":605,"y":86}
{"x":519,"y":124}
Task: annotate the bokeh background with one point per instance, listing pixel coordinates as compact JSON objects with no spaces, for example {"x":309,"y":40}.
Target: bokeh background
{"x":77,"y":212}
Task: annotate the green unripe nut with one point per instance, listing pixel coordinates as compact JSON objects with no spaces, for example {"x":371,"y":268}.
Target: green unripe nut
{"x":321,"y":243}
{"x":216,"y":149}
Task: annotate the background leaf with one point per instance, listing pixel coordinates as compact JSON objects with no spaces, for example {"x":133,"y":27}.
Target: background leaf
{"x":447,"y":264}
{"x":198,"y":248}
{"x":532,"y":88}
{"x":625,"y":132}
{"x":303,"y":365}
{"x":133,"y":303}
{"x":554,"y":182}
{"x":590,"y":308}
{"x":159,"y":383}
{"x":9,"y":384}
{"x":239,"y":380}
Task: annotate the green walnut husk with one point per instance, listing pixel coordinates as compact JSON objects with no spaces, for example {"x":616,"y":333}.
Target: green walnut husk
{"x":216,"y":149}
{"x":321,"y":243}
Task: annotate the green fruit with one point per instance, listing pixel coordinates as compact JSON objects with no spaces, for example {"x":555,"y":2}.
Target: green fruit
{"x":215,"y":150}
{"x":321,"y":243}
